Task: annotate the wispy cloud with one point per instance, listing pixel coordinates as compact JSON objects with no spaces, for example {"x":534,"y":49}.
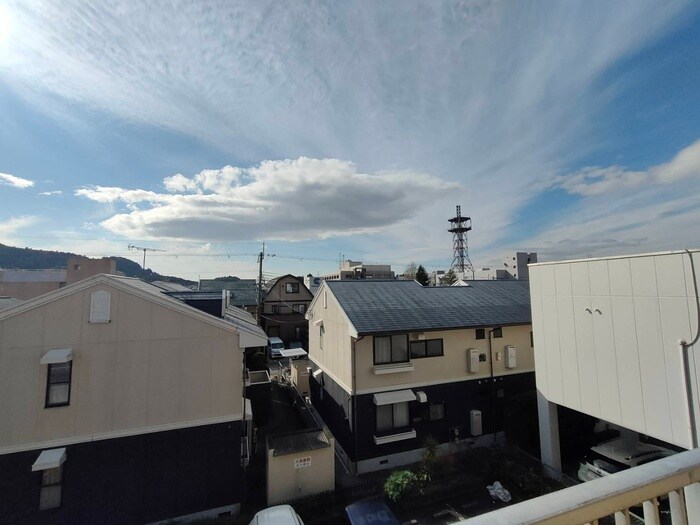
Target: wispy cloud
{"x":622,"y":211}
{"x":498,"y":96}
{"x":49,"y":193}
{"x":9,"y":227}
{"x":599,"y":181}
{"x":288,"y":199}
{"x":15,"y":182}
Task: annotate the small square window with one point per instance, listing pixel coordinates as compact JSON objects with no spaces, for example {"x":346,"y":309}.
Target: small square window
{"x":437,"y":411}
{"x":275,"y":308}
{"x":497,"y":333}
{"x":434,"y":347}
{"x":480,"y":333}
{"x":301,"y":308}
{"x":292,"y":288}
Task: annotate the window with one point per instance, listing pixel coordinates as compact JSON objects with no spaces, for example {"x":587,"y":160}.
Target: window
{"x":532,"y":341}
{"x":436,"y":411}
{"x":275,"y":308}
{"x":321,"y":332}
{"x":100,"y":307}
{"x":427,"y":348}
{"x":50,"y":495}
{"x":292,"y":288}
{"x":301,"y":308}
{"x":325,"y":299}
{"x":391,"y":349}
{"x":58,"y":384}
{"x":480,"y":333}
{"x":497,"y":333}
{"x":392,"y":417}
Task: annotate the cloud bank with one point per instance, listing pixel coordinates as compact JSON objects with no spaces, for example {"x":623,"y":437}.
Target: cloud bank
{"x":288,"y":199}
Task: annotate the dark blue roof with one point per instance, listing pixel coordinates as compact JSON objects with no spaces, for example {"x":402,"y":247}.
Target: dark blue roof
{"x":400,"y":306}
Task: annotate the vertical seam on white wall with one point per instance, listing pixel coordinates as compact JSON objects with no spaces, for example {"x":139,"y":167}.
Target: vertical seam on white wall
{"x":614,"y":342}
{"x":663,"y":349}
{"x":636,"y":341}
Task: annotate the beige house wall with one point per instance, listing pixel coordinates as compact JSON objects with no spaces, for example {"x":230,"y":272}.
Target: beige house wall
{"x":335,"y":357}
{"x":287,"y":483}
{"x":452,"y":366}
{"x":29,"y":290}
{"x":79,"y":268}
{"x":151,"y":368}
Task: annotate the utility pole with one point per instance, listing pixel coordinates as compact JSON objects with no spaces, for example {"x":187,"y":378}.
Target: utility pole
{"x":261,"y":256}
{"x":144,"y":250}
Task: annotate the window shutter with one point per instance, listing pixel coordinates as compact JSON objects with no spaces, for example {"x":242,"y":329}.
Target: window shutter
{"x":100,"y":307}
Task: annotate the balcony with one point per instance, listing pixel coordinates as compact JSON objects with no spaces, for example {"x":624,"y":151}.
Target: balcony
{"x":675,"y":477}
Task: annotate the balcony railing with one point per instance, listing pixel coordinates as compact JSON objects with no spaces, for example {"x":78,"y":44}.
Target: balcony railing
{"x":676,"y":477}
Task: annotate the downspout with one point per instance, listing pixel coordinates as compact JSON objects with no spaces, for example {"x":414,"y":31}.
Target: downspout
{"x":354,"y":399}
{"x":685,"y":351}
{"x":491,"y":389}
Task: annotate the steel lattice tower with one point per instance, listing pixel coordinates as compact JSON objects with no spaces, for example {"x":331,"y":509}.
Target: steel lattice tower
{"x":459,"y":226}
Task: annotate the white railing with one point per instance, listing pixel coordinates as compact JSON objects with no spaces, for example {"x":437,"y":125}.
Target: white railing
{"x":676,"y":477}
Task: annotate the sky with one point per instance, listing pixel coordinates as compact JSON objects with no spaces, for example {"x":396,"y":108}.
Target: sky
{"x":348,"y":130}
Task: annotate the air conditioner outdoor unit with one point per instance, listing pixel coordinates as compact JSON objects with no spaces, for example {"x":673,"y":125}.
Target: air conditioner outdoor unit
{"x":473,"y":360}
{"x":475,"y":422}
{"x":510,"y":357}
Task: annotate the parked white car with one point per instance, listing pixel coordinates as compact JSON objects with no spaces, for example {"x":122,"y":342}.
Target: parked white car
{"x":616,"y":455}
{"x":279,"y":515}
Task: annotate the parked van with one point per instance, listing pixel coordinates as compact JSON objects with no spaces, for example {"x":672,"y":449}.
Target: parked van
{"x":279,"y":515}
{"x":274,"y":345}
{"x":616,"y":455}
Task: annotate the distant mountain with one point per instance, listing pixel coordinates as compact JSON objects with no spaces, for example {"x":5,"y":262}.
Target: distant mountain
{"x":29,"y":259}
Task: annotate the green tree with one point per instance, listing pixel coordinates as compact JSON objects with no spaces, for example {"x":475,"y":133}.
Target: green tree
{"x":422,"y":276}
{"x":450,"y":278}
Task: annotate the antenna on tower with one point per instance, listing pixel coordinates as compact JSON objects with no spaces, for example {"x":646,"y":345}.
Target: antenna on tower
{"x":144,"y":250}
{"x":459,"y":226}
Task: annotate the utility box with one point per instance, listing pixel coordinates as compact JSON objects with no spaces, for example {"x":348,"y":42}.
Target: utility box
{"x":510,"y":357}
{"x":473,"y":360}
{"x":475,"y":422}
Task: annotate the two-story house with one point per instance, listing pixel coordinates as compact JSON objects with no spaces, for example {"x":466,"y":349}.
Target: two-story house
{"x":394,"y":363}
{"x":120,"y":404}
{"x":284,"y":307}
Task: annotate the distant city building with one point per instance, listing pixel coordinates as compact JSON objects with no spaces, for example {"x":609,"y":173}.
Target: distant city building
{"x":27,"y":284}
{"x":514,"y":267}
{"x":356,"y":270}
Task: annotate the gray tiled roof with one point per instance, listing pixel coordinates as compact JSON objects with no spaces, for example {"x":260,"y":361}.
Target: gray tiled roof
{"x":400,"y":306}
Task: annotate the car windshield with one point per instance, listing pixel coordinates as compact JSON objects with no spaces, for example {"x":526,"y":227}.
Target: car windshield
{"x":277,"y":346}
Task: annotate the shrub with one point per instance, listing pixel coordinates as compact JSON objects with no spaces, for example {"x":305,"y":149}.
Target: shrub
{"x":398,"y":483}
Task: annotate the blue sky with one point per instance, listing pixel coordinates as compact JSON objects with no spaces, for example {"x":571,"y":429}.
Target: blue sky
{"x":350,"y":129}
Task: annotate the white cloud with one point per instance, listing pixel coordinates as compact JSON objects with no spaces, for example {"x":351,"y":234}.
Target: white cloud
{"x":49,"y":193}
{"x":288,"y":199}
{"x":624,"y":211}
{"x":599,"y":181}
{"x":495,"y":95}
{"x":11,"y":226}
{"x":14,"y":181}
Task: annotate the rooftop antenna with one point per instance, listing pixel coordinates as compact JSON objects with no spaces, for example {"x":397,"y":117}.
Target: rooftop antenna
{"x":459,"y":226}
{"x":144,"y":250}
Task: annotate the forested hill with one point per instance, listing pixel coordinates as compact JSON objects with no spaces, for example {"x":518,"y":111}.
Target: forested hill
{"x":29,"y":259}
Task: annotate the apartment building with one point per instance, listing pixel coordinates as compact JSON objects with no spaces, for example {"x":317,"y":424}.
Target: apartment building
{"x":358,"y":270}
{"x":394,"y":363}
{"x":120,"y":405}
